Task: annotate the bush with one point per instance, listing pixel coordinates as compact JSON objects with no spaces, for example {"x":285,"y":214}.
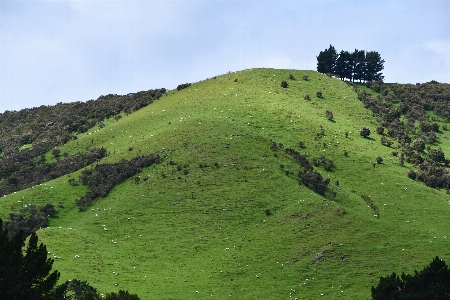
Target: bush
{"x":364,"y":132}
{"x":437,"y":155}
{"x":291,"y":77}
{"x":419,"y":145}
{"x":306,"y":97}
{"x":329,"y":114}
{"x":305,"y":78}
{"x":379,"y":160}
{"x":284,"y":84}
{"x":319,"y":94}
{"x":412,"y":175}
{"x":183,"y":86}
{"x":380,"y":130}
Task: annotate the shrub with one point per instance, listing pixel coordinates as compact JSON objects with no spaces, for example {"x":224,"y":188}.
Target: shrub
{"x":329,"y":114}
{"x":56,"y":152}
{"x":284,"y":84}
{"x":291,"y":77}
{"x":319,"y":94}
{"x":305,"y":78}
{"x":183,"y":86}
{"x":364,"y":132}
{"x":306,"y":97}
{"x":419,"y":145}
{"x":379,"y":160}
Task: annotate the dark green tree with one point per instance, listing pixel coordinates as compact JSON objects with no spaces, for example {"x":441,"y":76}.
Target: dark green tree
{"x":326,"y":60}
{"x":344,"y":65}
{"x":364,"y":132}
{"x":433,"y":282}
{"x":374,"y":65}
{"x":25,"y":274}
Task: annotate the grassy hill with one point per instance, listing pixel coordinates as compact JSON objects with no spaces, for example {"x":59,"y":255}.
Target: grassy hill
{"x":224,"y":214}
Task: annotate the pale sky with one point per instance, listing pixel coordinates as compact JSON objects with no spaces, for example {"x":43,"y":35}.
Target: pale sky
{"x":74,"y":50}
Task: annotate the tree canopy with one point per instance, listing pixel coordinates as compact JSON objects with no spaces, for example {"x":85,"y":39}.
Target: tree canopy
{"x":358,"y":65}
{"x":25,"y":274}
{"x":433,"y":282}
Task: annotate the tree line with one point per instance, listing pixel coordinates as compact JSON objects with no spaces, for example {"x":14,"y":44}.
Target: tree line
{"x":358,"y":65}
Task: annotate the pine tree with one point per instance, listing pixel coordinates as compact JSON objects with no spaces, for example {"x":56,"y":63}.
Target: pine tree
{"x":326,"y":60}
{"x":374,"y":66}
{"x":25,"y":274}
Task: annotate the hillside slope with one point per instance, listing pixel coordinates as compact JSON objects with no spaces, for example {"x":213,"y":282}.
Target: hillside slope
{"x":224,"y":214}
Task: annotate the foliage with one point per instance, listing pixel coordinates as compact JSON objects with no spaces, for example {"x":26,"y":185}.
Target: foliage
{"x":30,"y":219}
{"x":25,"y":275}
{"x":103,"y":177}
{"x":284,"y":84}
{"x":121,"y":295}
{"x":364,"y":132}
{"x":183,"y":86}
{"x":28,"y":173}
{"x":329,"y":114}
{"x":358,"y":65}
{"x":433,"y":282}
{"x":326,"y":60}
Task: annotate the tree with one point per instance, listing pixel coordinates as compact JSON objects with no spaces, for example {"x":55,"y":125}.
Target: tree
{"x":359,"y":65}
{"x":25,"y":274}
{"x":364,"y":132}
{"x":433,"y":282}
{"x":374,"y":64}
{"x":326,"y":60}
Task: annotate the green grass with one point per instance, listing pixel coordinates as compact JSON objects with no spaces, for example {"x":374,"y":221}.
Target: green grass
{"x":206,"y":230}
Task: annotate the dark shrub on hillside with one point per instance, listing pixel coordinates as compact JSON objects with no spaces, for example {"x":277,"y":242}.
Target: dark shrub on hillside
{"x":384,"y":141}
{"x":314,"y":181}
{"x":284,"y":84}
{"x":306,"y":97}
{"x":103,"y":177}
{"x":30,"y":219}
{"x":329,"y":114}
{"x":291,"y":77}
{"x":379,"y":160}
{"x":36,"y":172}
{"x":412,"y":175}
{"x":364,"y":132}
{"x":183,"y":86}
{"x":319,"y":94}
{"x":419,"y":145}
{"x":305,"y":77}
{"x":380,"y":130}
{"x":431,"y":137}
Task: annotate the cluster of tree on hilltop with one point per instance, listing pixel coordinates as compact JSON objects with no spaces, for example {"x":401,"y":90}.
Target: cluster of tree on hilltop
{"x":358,"y":65}
{"x":410,"y":115}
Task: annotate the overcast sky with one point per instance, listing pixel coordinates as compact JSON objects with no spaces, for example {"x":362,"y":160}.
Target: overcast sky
{"x":65,"y":51}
